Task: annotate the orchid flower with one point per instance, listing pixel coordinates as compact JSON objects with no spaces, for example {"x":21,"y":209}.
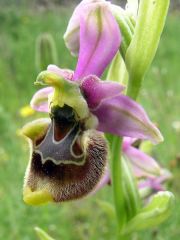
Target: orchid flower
{"x":143,"y":165}
{"x":149,"y":174}
{"x":68,"y":150}
{"x":152,"y":185}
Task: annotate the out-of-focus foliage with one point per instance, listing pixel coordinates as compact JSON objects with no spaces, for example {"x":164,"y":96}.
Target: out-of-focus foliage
{"x":175,"y":4}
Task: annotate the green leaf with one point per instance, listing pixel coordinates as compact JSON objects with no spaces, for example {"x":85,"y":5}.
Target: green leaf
{"x":156,"y":212}
{"x":42,"y":234}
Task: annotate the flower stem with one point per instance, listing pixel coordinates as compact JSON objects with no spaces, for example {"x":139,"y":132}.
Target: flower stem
{"x":116,"y":168}
{"x":134,"y":86}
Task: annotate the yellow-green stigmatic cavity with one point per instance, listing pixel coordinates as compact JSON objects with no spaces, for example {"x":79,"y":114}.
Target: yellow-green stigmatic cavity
{"x":67,"y":161}
{"x":65,"y":92}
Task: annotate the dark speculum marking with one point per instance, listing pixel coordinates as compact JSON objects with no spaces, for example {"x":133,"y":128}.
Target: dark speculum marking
{"x":68,"y":162}
{"x":60,"y":151}
{"x":61,"y":140}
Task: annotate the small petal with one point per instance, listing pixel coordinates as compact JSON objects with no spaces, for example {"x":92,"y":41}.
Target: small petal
{"x":124,"y":117}
{"x":64,"y":73}
{"x":65,"y":92}
{"x":96,"y":90}
{"x":39,"y":101}
{"x":99,"y":42}
{"x":151,"y":183}
{"x":142,"y":164}
{"x":155,"y":183}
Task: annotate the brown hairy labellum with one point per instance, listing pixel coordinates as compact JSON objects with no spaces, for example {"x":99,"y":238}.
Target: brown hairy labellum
{"x":68,"y":161}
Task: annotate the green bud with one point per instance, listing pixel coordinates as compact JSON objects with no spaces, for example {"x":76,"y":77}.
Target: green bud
{"x":46,"y":52}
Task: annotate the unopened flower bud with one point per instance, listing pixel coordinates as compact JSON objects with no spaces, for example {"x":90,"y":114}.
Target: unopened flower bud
{"x":46,"y":52}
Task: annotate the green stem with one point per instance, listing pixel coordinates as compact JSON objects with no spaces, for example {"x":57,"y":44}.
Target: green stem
{"x":134,"y":86}
{"x":117,"y":181}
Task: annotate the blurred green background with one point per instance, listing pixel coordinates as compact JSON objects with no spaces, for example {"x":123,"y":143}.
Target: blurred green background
{"x":21,"y":22}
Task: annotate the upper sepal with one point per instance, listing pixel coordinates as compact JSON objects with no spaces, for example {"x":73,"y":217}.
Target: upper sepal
{"x":39,"y":101}
{"x":97,"y":49}
{"x":71,"y":36}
